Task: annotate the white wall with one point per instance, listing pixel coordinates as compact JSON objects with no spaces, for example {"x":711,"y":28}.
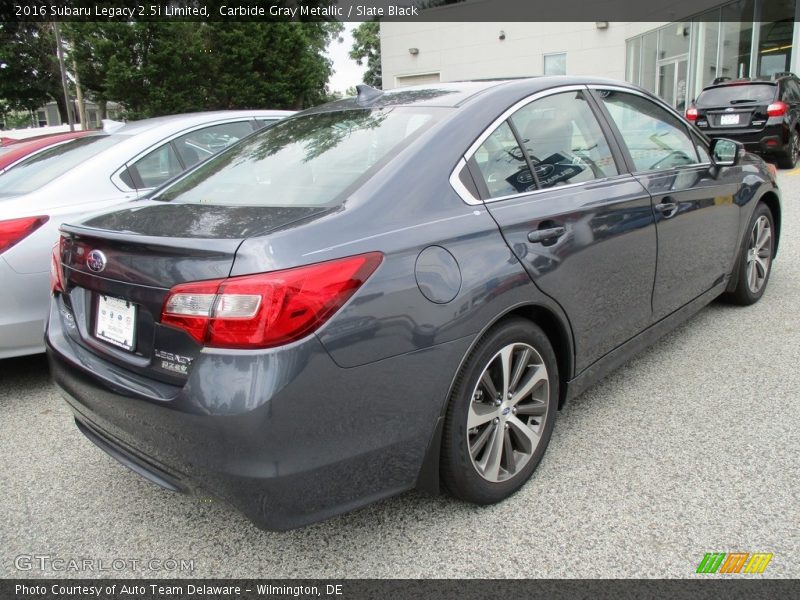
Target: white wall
{"x":473,"y":50}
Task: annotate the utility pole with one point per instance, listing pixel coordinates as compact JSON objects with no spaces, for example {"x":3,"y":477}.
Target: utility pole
{"x":60,"y":52}
{"x":79,"y":95}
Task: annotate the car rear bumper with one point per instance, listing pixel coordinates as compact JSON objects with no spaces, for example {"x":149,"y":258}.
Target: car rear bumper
{"x":285,"y":436}
{"x":23,"y":309}
{"x":770,"y":140}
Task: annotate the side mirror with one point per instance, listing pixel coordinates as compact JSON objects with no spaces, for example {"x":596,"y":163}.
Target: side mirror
{"x":726,"y":153}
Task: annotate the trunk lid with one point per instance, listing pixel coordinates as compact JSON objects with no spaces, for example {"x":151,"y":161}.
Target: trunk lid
{"x":117,"y":269}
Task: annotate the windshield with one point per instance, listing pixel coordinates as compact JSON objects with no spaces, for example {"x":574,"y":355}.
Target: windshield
{"x":310,"y":160}
{"x":43,"y":167}
{"x":737,"y":94}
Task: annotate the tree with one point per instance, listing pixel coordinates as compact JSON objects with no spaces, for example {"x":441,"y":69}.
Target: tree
{"x":30,"y":72}
{"x":367,"y":47}
{"x":93,"y":46}
{"x":157,"y":68}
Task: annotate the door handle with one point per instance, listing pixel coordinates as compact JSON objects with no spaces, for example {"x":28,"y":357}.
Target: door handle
{"x":545,"y":235}
{"x":667,"y":208}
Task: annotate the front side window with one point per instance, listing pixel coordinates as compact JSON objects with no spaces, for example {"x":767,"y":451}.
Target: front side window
{"x":656,"y":139}
{"x":564,"y":140}
{"x":312,"y":160}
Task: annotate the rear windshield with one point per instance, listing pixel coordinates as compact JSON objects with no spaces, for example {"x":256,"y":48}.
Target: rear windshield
{"x":312,"y":160}
{"x":748,"y":93}
{"x":43,"y":167}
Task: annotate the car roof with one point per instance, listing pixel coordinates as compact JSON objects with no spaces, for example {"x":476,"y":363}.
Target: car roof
{"x":177,"y":122}
{"x":748,"y":81}
{"x":23,"y":148}
{"x":454,"y":94}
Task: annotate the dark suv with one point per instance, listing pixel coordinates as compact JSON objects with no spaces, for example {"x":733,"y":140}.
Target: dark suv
{"x":760,"y":113}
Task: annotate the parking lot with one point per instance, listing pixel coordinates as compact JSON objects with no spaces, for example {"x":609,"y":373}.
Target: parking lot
{"x":690,"y":448}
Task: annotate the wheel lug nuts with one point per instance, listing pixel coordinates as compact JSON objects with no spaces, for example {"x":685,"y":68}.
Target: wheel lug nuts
{"x":514,"y":410}
{"x":498,"y":402}
{"x":510,"y":395}
{"x":496,"y":420}
{"x":506,"y":426}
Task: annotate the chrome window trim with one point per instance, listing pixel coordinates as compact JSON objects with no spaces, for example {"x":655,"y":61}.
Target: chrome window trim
{"x":465,"y":194}
{"x":658,"y":102}
{"x":459,"y":187}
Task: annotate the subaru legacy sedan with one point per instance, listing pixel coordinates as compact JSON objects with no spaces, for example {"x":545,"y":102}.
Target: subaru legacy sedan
{"x":398,"y":290}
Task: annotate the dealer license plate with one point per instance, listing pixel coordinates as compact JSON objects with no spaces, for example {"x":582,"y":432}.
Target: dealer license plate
{"x":729,"y":120}
{"x":116,"y":322}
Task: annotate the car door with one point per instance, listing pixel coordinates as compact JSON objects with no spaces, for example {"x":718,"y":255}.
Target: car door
{"x":581,"y":226}
{"x":697,"y":220}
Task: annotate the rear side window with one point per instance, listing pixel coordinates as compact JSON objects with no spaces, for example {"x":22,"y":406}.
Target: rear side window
{"x":748,"y":93}
{"x":564,"y":140}
{"x":502,"y":164}
{"x":656,"y":139}
{"x":198,"y":145}
{"x":156,"y":167}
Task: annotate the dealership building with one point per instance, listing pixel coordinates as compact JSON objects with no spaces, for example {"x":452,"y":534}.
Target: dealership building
{"x":675,"y":59}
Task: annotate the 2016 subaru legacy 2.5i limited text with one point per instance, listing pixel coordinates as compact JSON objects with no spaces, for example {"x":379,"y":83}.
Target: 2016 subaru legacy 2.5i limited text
{"x":398,"y":290}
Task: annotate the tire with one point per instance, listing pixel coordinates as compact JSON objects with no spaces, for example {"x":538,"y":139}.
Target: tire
{"x":788,"y":160}
{"x":510,"y":434}
{"x":755,"y":261}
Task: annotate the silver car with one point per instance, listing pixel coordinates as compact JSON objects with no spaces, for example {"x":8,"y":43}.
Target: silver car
{"x":81,"y":176}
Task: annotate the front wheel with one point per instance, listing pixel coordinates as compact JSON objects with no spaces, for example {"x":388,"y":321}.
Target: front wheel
{"x":501,"y":414}
{"x":755,"y":262}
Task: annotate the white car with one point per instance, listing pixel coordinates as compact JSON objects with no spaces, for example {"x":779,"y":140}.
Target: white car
{"x":84,"y":175}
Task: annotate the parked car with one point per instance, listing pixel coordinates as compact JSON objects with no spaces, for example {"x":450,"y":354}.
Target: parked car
{"x":79,"y":176}
{"x":13,"y":153}
{"x":761,"y":114}
{"x":374,"y":295}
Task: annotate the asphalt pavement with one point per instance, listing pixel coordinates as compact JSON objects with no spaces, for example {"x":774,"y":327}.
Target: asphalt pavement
{"x":692,"y":447}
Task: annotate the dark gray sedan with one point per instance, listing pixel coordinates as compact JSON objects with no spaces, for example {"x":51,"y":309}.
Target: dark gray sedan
{"x":398,"y":290}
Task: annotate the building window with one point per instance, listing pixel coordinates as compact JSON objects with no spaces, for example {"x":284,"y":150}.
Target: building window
{"x":555,"y":64}
{"x":737,"y":39}
{"x":424,"y":78}
{"x":632,"y":62}
{"x":743,"y":38}
{"x":775,"y":37}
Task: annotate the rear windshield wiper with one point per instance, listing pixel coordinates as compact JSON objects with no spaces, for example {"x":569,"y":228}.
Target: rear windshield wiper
{"x":743,"y":100}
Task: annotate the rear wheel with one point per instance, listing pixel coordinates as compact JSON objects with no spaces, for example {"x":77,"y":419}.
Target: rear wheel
{"x":501,"y":414}
{"x":788,"y":160}
{"x":755,"y":263}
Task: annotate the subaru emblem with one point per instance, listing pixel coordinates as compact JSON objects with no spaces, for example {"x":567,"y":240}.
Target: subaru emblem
{"x":96,"y":261}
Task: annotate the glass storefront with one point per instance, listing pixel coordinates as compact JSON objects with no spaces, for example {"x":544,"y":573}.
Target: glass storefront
{"x":745,"y":38}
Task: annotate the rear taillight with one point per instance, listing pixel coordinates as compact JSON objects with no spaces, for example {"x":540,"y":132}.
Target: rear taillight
{"x":691,"y":113}
{"x":16,"y":230}
{"x":56,"y":274}
{"x":267,"y":309}
{"x":777,"y":109}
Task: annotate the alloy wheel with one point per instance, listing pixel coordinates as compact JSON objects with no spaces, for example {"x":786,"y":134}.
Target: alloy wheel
{"x":507,"y":412}
{"x":795,"y":147}
{"x":759,"y":254}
